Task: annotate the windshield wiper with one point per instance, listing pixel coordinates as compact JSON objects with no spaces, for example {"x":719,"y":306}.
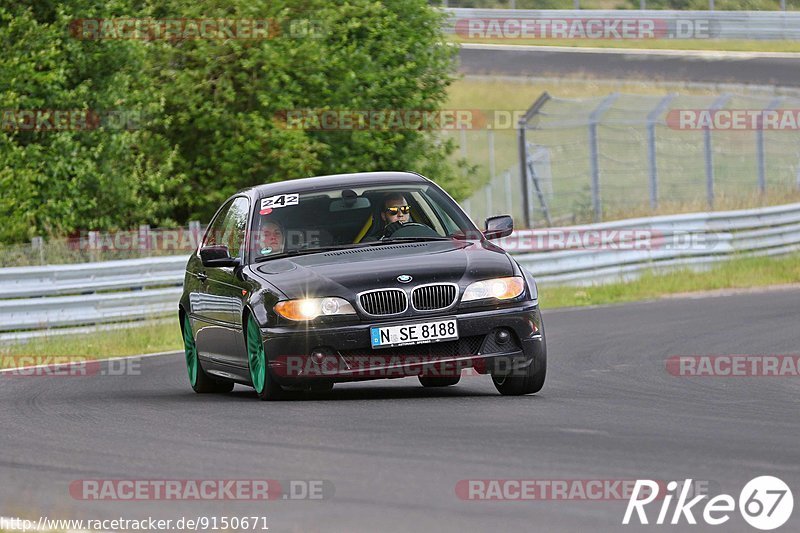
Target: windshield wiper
{"x":304,"y":251}
{"x":412,"y":239}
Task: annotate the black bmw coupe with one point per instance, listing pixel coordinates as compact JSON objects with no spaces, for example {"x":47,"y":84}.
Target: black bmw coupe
{"x":301,"y":284}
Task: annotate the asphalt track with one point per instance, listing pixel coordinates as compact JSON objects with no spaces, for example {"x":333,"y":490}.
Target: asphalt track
{"x":740,"y":68}
{"x":394,"y":451}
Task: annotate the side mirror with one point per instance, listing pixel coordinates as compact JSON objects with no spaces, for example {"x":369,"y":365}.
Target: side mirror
{"x":498,"y":227}
{"x":218,"y":256}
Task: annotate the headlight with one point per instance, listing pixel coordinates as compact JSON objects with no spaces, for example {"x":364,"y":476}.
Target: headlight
{"x":311,"y":308}
{"x":498,"y":288}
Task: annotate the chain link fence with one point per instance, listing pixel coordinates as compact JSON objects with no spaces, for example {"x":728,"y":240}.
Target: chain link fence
{"x":623,"y":155}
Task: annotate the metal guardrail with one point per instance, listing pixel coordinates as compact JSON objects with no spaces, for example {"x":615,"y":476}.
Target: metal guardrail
{"x":661,"y":243}
{"x":60,"y":298}
{"x":67,"y":298}
{"x":758,"y":25}
{"x":51,"y":280}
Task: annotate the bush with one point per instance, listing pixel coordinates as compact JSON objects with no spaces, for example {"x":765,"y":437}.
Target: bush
{"x":210,"y":109}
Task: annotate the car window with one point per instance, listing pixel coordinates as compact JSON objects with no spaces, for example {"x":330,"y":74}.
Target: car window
{"x":450,"y":226}
{"x":229,"y":226}
{"x":426,"y":209}
{"x":345,"y":216}
{"x":216,"y":228}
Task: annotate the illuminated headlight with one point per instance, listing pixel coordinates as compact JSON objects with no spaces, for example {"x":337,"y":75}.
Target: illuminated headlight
{"x":498,"y":288}
{"x":311,"y":308}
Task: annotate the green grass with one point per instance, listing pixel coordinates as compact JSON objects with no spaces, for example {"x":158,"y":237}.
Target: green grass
{"x":651,"y":44}
{"x":737,"y":273}
{"x":155,"y":337}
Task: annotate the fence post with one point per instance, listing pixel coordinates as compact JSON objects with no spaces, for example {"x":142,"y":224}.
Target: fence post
{"x":523,"y":153}
{"x":594,"y":153}
{"x":536,"y":184}
{"x":509,"y":202}
{"x":760,"y":148}
{"x":144,"y":238}
{"x":709,"y":155}
{"x":652,"y":117}
{"x":37,"y":245}
{"x":490,"y":139}
{"x":523,"y":169}
{"x":194,"y":231}
{"x":94,"y":245}
{"x":489,"y":200}
{"x":797,"y":178}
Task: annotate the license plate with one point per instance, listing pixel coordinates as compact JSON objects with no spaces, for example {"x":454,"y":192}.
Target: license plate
{"x":416,"y":333}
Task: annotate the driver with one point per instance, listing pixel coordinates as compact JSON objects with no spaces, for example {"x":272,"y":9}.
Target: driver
{"x":394,"y":214}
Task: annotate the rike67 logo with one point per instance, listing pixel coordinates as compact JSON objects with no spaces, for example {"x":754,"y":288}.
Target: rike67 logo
{"x":765,"y":503}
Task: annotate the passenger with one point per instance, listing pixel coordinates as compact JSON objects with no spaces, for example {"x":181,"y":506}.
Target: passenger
{"x":270,"y":239}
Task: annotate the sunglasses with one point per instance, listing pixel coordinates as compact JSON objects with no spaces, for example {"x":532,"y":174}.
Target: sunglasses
{"x":396,"y":210}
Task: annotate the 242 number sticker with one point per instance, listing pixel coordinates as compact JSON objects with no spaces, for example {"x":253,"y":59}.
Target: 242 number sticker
{"x":279,"y":200}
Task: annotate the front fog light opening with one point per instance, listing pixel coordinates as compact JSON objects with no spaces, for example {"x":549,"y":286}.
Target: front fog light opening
{"x":502,"y":336}
{"x":325,"y":358}
{"x":318,"y":355}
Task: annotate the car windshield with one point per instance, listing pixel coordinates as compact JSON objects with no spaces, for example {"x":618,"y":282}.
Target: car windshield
{"x":303,"y":222}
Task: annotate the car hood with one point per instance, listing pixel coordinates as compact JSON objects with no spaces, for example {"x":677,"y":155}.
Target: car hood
{"x":345,"y":273}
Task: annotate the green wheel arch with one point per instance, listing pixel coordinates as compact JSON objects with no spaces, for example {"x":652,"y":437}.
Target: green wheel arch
{"x":190,"y":348}
{"x":256,"y":357}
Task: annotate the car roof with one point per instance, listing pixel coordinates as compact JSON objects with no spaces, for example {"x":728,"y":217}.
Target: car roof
{"x":358,"y":179}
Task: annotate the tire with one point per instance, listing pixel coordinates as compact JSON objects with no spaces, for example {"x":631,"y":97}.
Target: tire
{"x":530,"y":382}
{"x":429,"y":381}
{"x":200,"y":381}
{"x":261,"y":378}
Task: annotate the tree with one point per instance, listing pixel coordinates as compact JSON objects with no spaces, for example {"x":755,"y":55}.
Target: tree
{"x":91,"y":174}
{"x":207,"y":112}
{"x":225,"y":99}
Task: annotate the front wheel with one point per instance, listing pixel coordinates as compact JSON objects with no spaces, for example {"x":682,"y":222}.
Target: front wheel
{"x":527,"y":381}
{"x":260,"y":376}
{"x":198,"y":379}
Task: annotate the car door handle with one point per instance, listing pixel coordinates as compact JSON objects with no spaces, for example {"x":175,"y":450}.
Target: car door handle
{"x":202,"y":276}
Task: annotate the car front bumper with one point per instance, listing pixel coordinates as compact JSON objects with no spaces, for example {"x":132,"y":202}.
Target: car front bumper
{"x":300,"y":353}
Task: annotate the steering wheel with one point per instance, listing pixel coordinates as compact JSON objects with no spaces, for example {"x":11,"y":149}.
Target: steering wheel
{"x":413,"y":229}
